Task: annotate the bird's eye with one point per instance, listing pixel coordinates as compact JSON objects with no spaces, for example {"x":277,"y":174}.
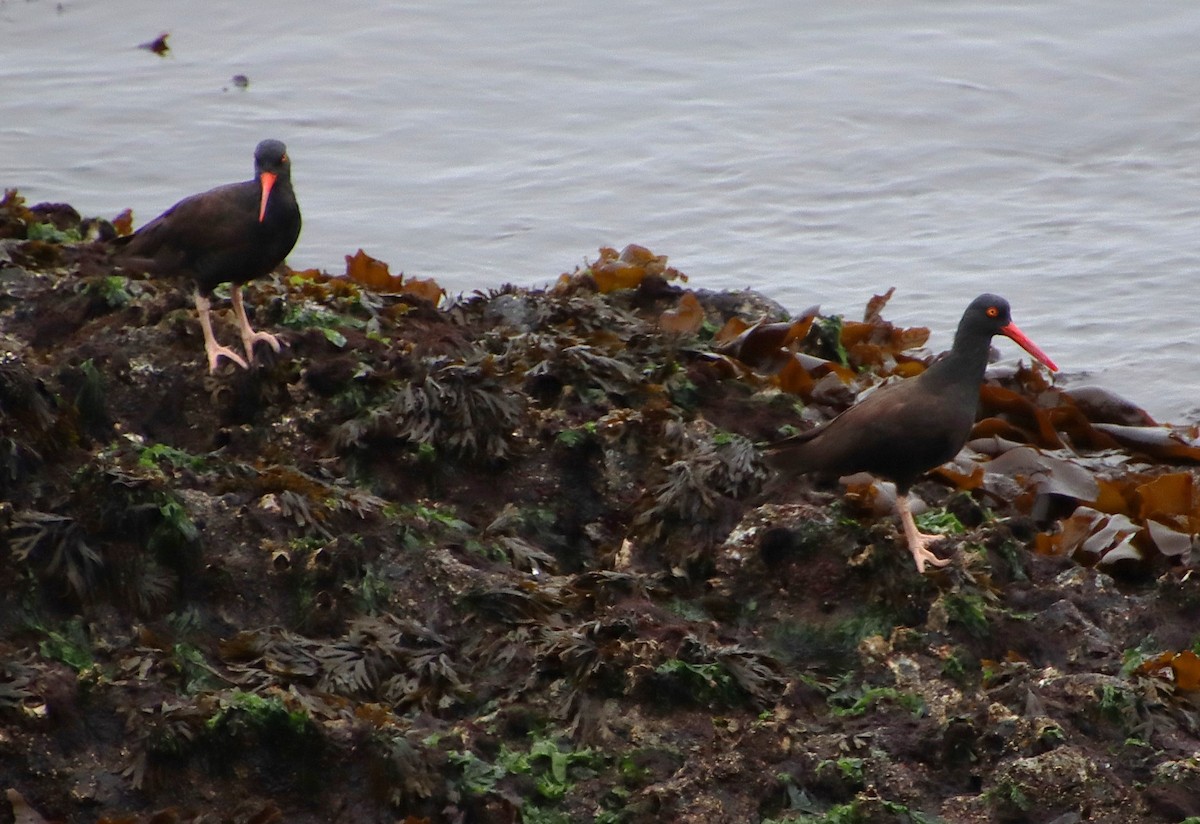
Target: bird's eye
{"x":993,"y":312}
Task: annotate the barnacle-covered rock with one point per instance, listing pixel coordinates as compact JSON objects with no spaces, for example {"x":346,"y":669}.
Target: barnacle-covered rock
{"x":513,"y":555}
{"x":1058,"y":781}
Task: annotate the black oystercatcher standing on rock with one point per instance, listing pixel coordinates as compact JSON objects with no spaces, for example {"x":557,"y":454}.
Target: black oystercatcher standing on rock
{"x":901,"y":431}
{"x":230,"y":234}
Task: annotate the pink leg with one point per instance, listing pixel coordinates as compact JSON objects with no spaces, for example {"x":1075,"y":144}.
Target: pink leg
{"x":918,"y":541}
{"x":249,"y":336}
{"x":214,"y":350}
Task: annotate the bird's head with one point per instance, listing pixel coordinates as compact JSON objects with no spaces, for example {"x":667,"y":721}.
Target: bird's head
{"x":990,"y":315}
{"x":270,"y":163}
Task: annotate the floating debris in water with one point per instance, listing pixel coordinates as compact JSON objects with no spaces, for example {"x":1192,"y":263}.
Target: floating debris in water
{"x":158,"y":45}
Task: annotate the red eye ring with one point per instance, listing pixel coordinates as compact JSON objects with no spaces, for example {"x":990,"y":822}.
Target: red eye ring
{"x":993,"y":312}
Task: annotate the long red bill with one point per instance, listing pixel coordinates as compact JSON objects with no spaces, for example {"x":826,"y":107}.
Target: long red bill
{"x":1029,"y":346}
{"x":268,"y":180}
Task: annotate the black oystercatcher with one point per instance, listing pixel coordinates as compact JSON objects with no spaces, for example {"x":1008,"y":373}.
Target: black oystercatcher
{"x":230,"y":234}
{"x":903,"y":430}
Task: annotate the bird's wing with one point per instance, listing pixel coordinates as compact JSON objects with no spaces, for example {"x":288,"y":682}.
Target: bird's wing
{"x":879,"y":422}
{"x":215,"y":210}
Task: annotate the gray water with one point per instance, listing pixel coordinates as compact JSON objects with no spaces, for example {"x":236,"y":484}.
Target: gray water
{"x":814,"y":152}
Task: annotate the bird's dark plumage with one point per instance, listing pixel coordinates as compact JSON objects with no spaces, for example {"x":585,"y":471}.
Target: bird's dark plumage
{"x":230,"y":234}
{"x":901,"y":431}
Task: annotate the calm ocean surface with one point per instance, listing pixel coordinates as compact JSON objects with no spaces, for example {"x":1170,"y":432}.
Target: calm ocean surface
{"x":816,"y":152}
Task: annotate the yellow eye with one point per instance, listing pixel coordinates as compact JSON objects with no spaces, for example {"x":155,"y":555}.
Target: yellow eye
{"x":993,"y":312}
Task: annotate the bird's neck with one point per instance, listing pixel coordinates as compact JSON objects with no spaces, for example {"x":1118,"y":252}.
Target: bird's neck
{"x":281,"y":199}
{"x":965,"y":362}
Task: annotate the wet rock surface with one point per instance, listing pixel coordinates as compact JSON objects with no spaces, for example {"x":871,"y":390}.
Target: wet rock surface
{"x":517,"y":556}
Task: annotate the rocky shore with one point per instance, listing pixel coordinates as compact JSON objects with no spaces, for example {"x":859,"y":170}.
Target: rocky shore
{"x":517,"y":556}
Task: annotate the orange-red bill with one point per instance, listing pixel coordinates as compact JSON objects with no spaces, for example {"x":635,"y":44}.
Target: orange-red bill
{"x":268,"y":180}
{"x":1029,"y":346}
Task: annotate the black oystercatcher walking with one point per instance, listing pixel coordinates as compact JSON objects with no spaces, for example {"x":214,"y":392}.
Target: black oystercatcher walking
{"x":901,"y":431}
{"x":230,"y":234}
